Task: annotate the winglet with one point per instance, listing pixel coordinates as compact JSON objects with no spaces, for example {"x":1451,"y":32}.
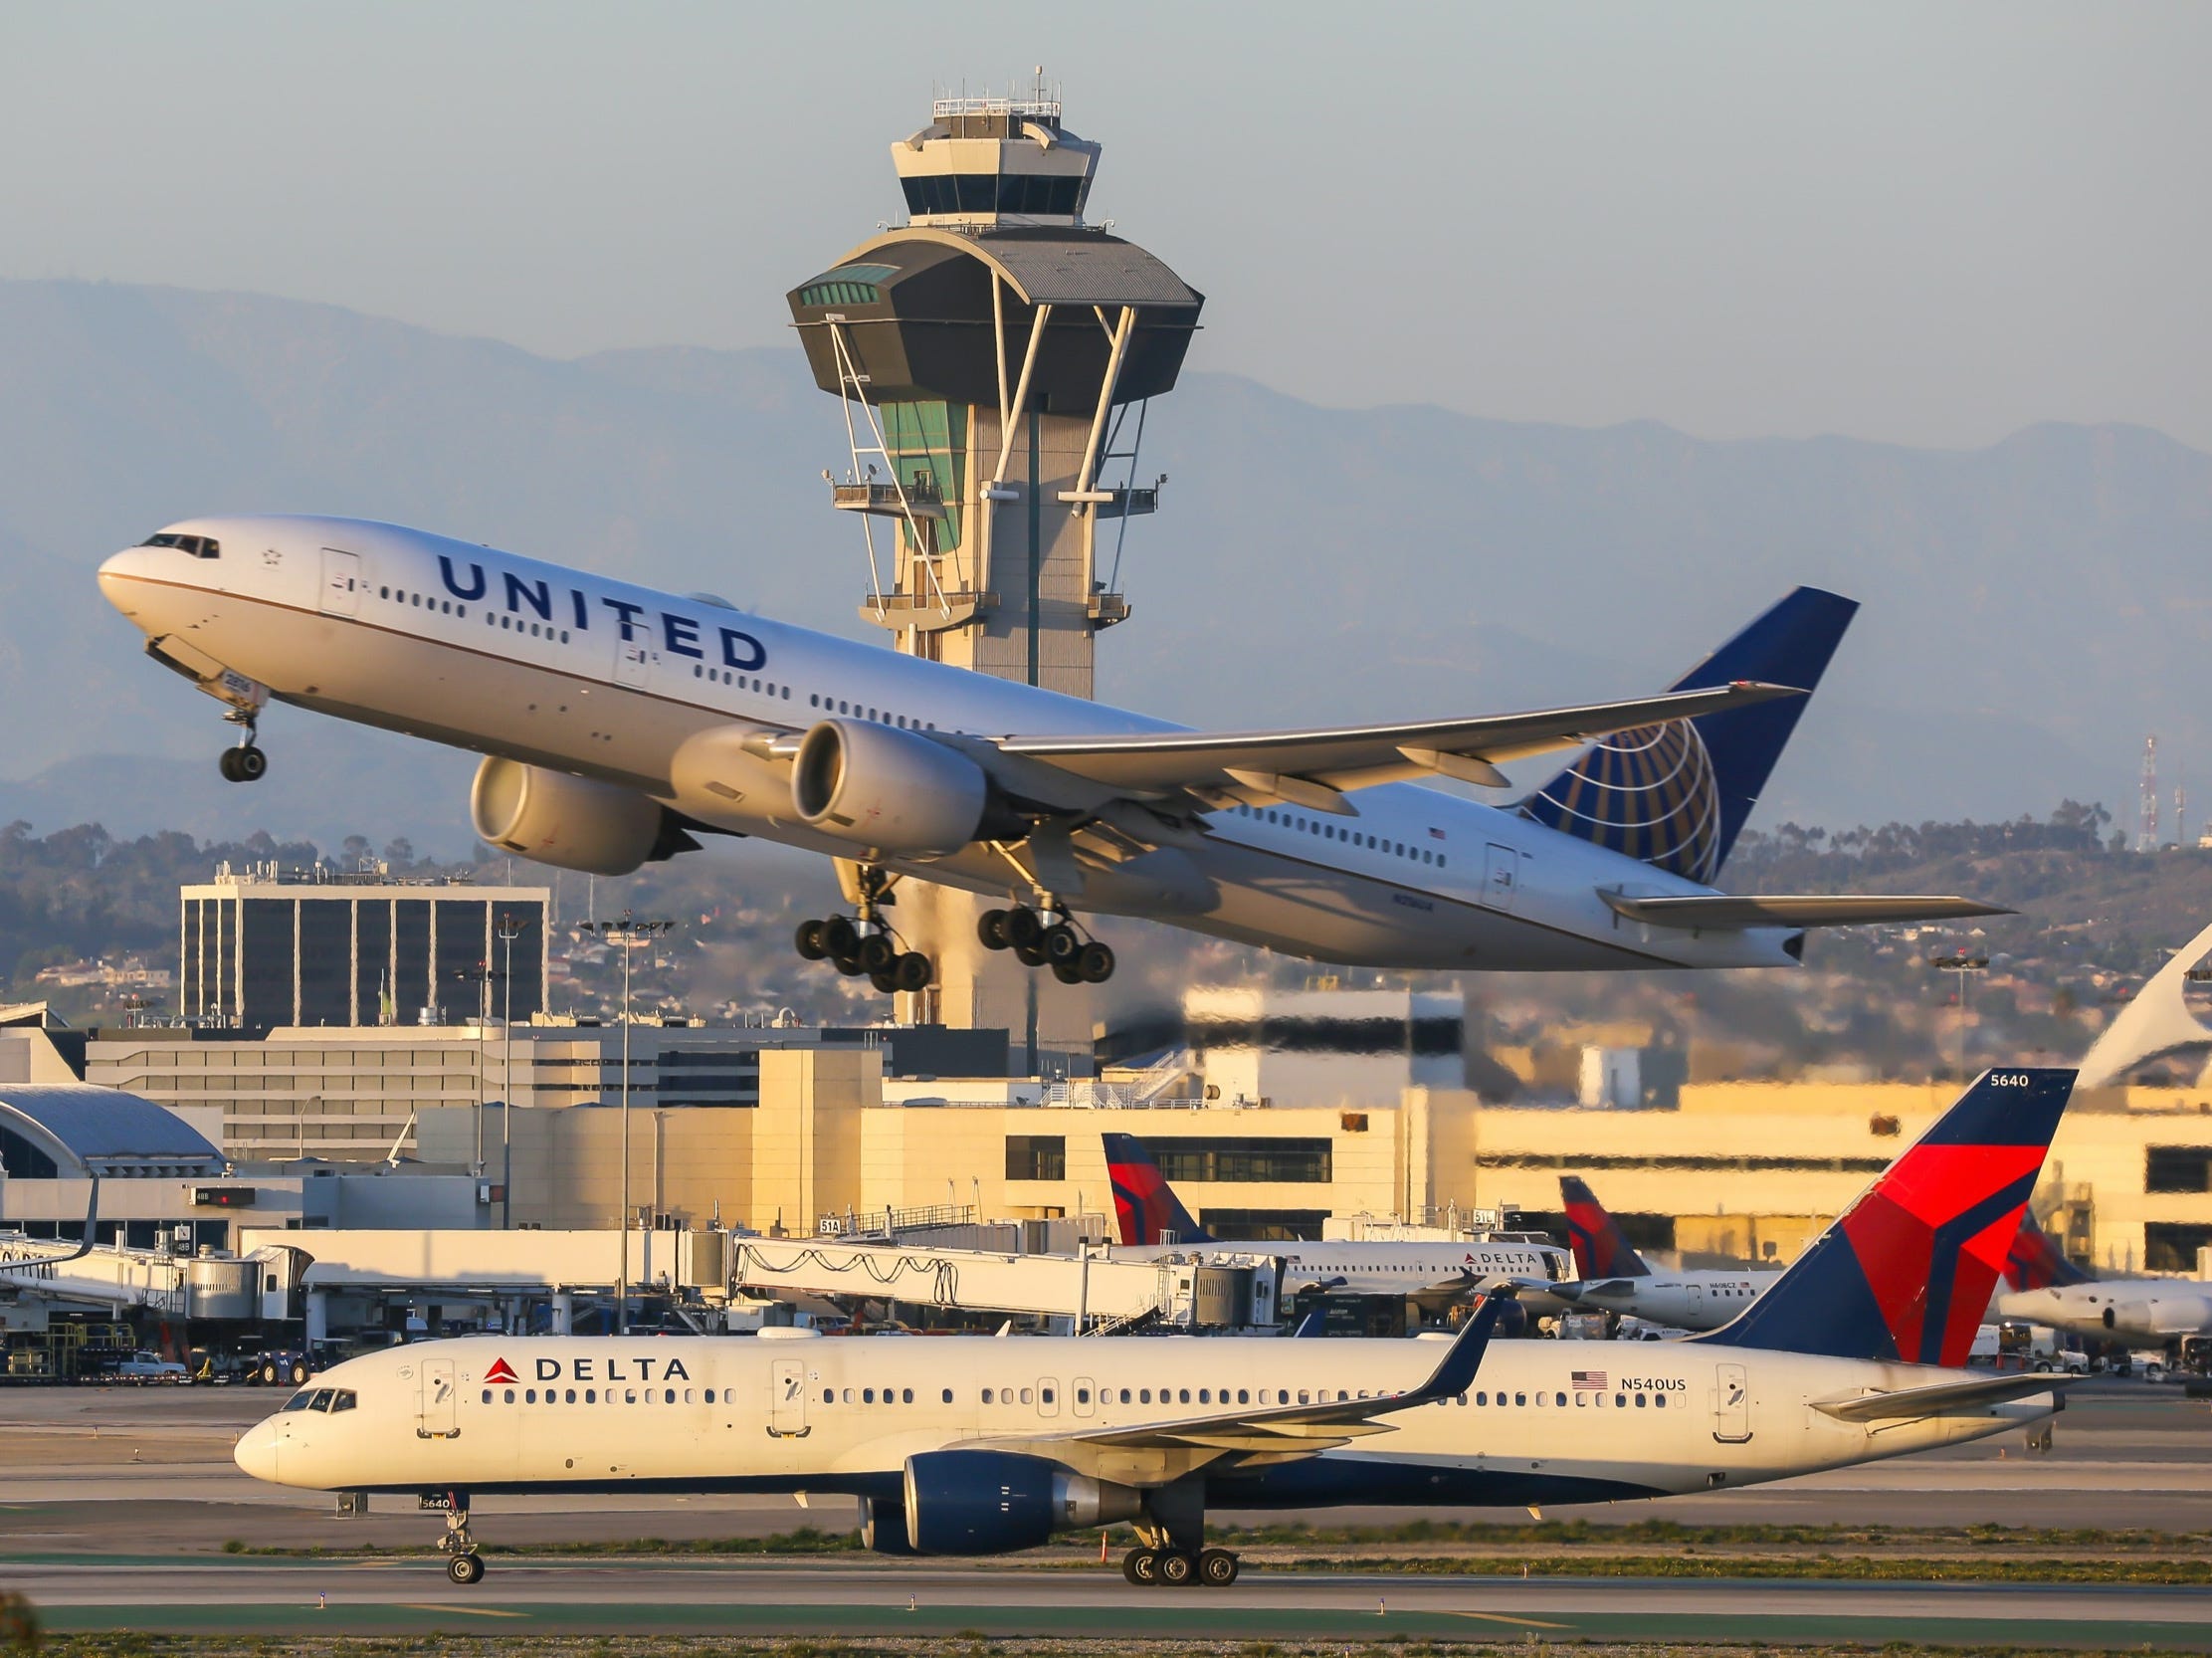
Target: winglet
{"x":1455,"y":1373}
{"x":1313,"y":1324}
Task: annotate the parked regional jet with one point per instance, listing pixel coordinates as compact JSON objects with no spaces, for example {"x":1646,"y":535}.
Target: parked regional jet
{"x":1610,"y":1277}
{"x":616,"y":720}
{"x":2043,"y":1287}
{"x":1151,"y":1220}
{"x":980,"y":1445}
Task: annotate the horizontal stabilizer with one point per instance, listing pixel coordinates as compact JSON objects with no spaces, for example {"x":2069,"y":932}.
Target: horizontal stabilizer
{"x":1944,"y":1399}
{"x":1722,"y":910}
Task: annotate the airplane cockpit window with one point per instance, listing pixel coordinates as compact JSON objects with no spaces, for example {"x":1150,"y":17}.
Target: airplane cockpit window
{"x":343,"y":1398}
{"x":301,"y":1400}
{"x":199,"y":546}
{"x":321,"y":1400}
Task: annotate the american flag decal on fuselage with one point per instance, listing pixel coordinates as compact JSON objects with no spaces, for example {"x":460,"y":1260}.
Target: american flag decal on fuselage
{"x":1589,"y":1382}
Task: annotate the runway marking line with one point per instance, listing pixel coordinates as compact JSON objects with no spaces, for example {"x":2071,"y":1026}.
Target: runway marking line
{"x":466,"y":1611}
{"x":1503,"y":1617}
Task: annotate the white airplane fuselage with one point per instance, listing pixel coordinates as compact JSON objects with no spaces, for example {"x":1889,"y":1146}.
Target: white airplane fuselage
{"x":554,"y":668}
{"x":1542,"y":1422}
{"x":2139,"y":1311}
{"x":1389,"y":1266}
{"x":1698,"y":1299}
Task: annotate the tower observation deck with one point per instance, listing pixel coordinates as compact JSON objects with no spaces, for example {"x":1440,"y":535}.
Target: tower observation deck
{"x":994,"y":356}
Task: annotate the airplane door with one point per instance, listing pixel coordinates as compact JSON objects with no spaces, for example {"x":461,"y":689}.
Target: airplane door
{"x":341,"y":583}
{"x":1500,"y":875}
{"x":436,"y":1402}
{"x":632,"y":661}
{"x":1086,"y":1393}
{"x":787,"y":1399}
{"x":1731,"y":1405}
{"x":1697,"y":1300}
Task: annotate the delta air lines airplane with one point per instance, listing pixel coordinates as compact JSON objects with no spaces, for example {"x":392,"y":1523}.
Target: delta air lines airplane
{"x":981,"y":1445}
{"x":1612,"y":1278}
{"x":618,"y":723}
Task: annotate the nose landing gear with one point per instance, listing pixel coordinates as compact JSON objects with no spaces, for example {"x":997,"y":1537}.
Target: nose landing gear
{"x":463,"y":1564}
{"x":245,"y":763}
{"x":1055,"y":943}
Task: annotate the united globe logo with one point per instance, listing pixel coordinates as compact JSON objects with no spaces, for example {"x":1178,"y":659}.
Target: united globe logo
{"x":1650,"y":793}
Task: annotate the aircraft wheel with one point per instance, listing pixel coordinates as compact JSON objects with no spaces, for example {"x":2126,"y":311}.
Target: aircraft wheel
{"x":1217,"y":1569}
{"x":1062,"y":944}
{"x":912,"y":972}
{"x":1066,"y":973}
{"x":1141,"y":1566}
{"x":465,"y":1569}
{"x":1023,"y":927}
{"x":840,"y":938}
{"x":990,"y":926}
{"x":878,"y":953}
{"x":808,"y":941}
{"x":1095,"y":965}
{"x":848,"y":965}
{"x":227,"y":764}
{"x":253,"y":764}
{"x":885,"y":982}
{"x":1176,"y":1569}
{"x":1030,"y":955}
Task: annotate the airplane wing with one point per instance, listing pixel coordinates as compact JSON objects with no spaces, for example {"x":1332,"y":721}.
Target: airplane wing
{"x":1941,"y":1399}
{"x":1155,"y":1453}
{"x":1720,"y":911}
{"x":1312,"y":767}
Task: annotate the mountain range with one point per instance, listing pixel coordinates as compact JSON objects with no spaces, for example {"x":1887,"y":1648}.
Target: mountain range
{"x":2031,"y":610}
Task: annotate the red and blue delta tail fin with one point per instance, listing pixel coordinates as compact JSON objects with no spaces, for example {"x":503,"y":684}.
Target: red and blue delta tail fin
{"x":2037,"y":1262}
{"x":1145,"y":1207}
{"x":1906,"y":1272}
{"x":1676,"y":796}
{"x":1601,"y":1248}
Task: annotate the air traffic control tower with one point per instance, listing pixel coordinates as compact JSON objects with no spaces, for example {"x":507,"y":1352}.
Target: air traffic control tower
{"x":994,"y":357}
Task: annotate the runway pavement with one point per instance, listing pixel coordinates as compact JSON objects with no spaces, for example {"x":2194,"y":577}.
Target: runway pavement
{"x":518,"y":1596}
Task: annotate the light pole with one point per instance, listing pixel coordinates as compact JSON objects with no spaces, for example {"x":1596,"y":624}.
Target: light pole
{"x":1962,"y":964}
{"x":628,"y":930}
{"x":512,"y":928}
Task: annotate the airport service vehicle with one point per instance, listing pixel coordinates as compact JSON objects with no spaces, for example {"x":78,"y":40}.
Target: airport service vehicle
{"x":981,"y":1445}
{"x":618,"y":723}
{"x":1610,"y":1277}
{"x":2044,"y":1287}
{"x":1150,"y":1221}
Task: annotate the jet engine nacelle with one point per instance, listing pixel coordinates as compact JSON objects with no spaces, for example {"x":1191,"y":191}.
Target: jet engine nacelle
{"x":893,"y":792}
{"x":571,"y":822}
{"x":994,"y":1502}
{"x":884,"y":1527}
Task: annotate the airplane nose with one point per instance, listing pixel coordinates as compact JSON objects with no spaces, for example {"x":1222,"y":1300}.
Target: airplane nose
{"x":115,"y":585}
{"x":256,"y":1452}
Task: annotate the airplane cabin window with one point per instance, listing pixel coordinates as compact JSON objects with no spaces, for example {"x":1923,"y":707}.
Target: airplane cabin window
{"x":1639,"y":1401}
{"x":462,"y":611}
{"x":488,"y":1395}
{"x":564,"y":636}
{"x":529,"y":1395}
{"x":669,"y":1396}
{"x":1026,"y":1396}
{"x":1125,"y":1395}
{"x":509,"y":1396}
{"x":867,"y":1395}
{"x":906,"y":1395}
{"x":1620,"y":1402}
{"x":1243,"y":1397}
{"x":384,"y":592}
{"x":1519,"y":1398}
{"x":948,"y":1395}
{"x":571,"y":1399}
{"x":591,"y":1395}
{"x":1659,"y":1401}
{"x":986,"y":1395}
{"x":1184,"y":1397}
{"x":1083,"y":1395}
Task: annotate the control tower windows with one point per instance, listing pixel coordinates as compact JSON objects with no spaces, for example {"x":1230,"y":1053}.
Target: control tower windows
{"x":1051,"y":194}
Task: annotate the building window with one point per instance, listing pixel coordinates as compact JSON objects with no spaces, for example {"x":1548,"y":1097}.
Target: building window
{"x":1036,"y":1157}
{"x":2177,"y":1168}
{"x":1237,"y":1160}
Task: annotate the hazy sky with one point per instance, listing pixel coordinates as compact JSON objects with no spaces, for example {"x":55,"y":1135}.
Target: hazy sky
{"x":1926,"y":223}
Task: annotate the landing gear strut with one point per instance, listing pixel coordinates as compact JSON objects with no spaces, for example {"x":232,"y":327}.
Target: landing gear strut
{"x":1039,"y":943}
{"x":1171,"y":1547}
{"x":245,"y":763}
{"x":865,"y":943}
{"x":463,"y":1564}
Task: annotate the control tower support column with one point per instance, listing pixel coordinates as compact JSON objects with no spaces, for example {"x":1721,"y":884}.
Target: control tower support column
{"x":994,"y":358}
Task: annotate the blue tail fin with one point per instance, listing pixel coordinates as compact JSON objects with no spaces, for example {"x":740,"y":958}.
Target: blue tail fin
{"x":1677,"y":796}
{"x":1905,"y":1273}
{"x":1145,"y":1207}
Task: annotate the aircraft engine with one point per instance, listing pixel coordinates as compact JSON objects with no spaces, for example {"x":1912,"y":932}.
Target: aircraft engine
{"x":994,"y":1502}
{"x":893,"y":792}
{"x":884,"y":1527}
{"x":555,"y":818}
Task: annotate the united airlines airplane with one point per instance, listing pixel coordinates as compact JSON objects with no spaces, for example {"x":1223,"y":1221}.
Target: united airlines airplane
{"x":981,"y":1445}
{"x":617,"y":723}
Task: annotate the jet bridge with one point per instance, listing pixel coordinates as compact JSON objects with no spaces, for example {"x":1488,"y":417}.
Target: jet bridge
{"x":1094,"y":1293}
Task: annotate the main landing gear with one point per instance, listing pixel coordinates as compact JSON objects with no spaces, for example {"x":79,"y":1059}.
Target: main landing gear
{"x":1039,"y":943}
{"x":463,"y":1564}
{"x":1175,"y":1569}
{"x":245,"y":763}
{"x":865,"y":943}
